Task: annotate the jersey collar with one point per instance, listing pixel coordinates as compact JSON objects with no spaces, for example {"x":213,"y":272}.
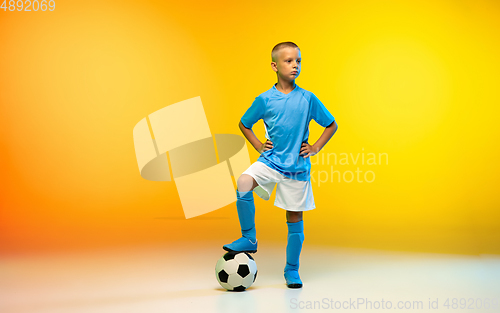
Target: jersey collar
{"x":285,"y":94}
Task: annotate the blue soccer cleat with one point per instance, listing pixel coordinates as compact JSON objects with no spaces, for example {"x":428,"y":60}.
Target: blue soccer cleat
{"x":242,"y":245}
{"x":293,"y":279}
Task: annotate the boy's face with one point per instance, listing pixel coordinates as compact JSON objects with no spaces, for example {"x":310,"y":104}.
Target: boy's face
{"x":287,"y":64}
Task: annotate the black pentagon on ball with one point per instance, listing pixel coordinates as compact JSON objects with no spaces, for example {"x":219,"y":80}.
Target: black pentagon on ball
{"x":255,"y":276}
{"x":243,"y":270}
{"x":239,"y":288}
{"x":230,"y":255}
{"x":223,"y":276}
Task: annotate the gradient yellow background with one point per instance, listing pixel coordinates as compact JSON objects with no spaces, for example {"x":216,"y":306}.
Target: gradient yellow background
{"x":417,"y":81}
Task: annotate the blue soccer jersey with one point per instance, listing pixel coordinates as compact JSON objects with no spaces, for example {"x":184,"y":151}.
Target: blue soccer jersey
{"x":286,"y":120}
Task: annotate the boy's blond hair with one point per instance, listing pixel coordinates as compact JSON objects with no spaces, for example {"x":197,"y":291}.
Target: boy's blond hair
{"x":281,"y":45}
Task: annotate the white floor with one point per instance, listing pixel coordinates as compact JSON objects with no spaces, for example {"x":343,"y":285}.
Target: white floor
{"x":174,"y":279}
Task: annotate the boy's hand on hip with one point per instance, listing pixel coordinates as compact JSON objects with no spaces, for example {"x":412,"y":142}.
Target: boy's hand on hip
{"x":268,"y":145}
{"x":307,"y":150}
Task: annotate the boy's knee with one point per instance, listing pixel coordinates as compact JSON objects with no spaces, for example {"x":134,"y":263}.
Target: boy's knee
{"x":245,"y":183}
{"x":293,"y":217}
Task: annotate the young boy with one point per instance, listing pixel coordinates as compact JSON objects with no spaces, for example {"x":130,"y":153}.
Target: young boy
{"x":284,"y":158}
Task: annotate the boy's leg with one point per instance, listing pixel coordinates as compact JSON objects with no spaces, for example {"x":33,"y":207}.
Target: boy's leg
{"x":294,"y":247}
{"x":246,"y":214}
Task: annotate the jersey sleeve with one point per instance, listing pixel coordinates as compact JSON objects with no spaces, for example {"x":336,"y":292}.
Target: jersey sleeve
{"x":254,"y":113}
{"x":320,"y":113}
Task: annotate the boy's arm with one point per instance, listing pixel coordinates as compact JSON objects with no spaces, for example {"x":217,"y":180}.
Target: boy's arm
{"x":250,"y":136}
{"x":318,"y":145}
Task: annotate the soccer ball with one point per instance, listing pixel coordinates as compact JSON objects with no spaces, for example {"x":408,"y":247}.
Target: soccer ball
{"x":236,"y":271}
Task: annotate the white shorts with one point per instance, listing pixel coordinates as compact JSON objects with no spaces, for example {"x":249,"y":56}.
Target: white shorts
{"x":291,"y":194}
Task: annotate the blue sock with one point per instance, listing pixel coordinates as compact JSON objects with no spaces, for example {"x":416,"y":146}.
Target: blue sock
{"x":294,"y":245}
{"x":246,"y":214}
